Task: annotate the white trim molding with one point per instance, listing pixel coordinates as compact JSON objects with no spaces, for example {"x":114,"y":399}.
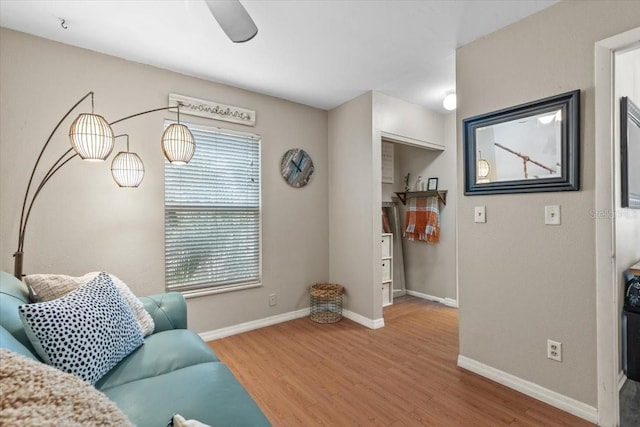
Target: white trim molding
{"x":446,"y":301}
{"x":536,"y":391}
{"x":254,"y":324}
{"x":364,"y":321}
{"x":393,"y":137}
{"x":621,"y":380}
{"x":607,"y":310}
{"x":280,"y":318}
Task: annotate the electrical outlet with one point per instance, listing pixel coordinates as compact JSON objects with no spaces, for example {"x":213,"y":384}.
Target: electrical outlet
{"x":554,"y":350}
{"x":273,"y":300}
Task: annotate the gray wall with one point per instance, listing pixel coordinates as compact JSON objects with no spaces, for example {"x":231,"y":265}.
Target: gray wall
{"x":82,"y":222}
{"x":521,"y":282}
{"x":431,"y":269}
{"x":355,"y":195}
{"x":353,"y":213}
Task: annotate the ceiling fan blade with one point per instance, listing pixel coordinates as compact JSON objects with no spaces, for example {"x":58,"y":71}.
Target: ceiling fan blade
{"x":234,"y":19}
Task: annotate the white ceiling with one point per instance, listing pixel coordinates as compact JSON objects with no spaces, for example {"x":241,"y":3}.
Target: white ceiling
{"x":318,"y":53}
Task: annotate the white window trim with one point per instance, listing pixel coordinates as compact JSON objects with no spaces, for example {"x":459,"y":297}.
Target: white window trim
{"x":213,"y":290}
{"x":218,"y":290}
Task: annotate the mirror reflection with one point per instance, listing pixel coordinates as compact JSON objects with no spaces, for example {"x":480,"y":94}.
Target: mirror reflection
{"x":633,"y":152}
{"x":526,"y":148}
{"x":630,"y":153}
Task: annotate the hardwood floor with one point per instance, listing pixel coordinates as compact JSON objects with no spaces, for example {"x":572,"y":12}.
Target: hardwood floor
{"x":306,"y":374}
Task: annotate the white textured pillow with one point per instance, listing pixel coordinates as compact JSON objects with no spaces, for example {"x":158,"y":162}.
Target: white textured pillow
{"x":36,"y":394}
{"x":47,"y":287}
{"x":86,"y":332}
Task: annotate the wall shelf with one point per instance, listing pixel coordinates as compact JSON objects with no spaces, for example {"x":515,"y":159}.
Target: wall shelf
{"x":440,"y":194}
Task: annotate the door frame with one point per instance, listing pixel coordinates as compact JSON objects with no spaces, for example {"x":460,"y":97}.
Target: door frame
{"x":607,"y":307}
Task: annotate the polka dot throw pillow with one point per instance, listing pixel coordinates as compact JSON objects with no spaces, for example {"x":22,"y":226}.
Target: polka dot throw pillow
{"x":47,"y":287}
{"x":86,"y":332}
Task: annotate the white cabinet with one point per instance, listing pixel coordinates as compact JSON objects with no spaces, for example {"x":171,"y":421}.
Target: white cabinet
{"x":387,"y":269}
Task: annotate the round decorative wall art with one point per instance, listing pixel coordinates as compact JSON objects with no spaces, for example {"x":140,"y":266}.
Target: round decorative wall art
{"x":296,"y":167}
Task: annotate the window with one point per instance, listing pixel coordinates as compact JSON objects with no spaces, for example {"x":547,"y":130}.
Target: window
{"x":212,"y":214}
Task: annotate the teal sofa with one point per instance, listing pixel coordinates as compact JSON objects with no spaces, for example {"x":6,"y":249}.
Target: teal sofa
{"x":174,"y":371}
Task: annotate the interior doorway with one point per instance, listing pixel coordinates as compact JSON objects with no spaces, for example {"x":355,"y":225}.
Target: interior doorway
{"x":627,"y":222}
{"x":611,"y":259}
{"x":421,"y":268}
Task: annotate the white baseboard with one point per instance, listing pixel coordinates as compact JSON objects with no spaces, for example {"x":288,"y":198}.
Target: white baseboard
{"x":446,"y":301}
{"x":536,"y":391}
{"x":254,"y":324}
{"x":364,"y":321}
{"x":622,"y":378}
{"x":285,"y":317}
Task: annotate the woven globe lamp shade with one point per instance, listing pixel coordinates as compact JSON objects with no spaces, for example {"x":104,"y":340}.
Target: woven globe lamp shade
{"x":91,"y":137}
{"x":483,"y":168}
{"x":178,"y":144}
{"x":127,"y":169}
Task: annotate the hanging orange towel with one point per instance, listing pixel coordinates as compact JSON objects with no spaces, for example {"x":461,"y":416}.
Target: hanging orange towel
{"x":422,"y":220}
{"x":386,"y":228}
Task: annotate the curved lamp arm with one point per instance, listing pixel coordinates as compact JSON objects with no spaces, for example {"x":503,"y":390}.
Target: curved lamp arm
{"x":147,"y":112}
{"x":24,"y":214}
{"x":55,"y":168}
{"x":66,"y":157}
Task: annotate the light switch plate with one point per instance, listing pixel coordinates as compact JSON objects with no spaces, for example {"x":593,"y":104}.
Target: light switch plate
{"x":480,"y":214}
{"x":552,"y":215}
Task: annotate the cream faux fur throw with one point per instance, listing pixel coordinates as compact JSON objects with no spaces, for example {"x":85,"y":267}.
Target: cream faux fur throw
{"x":35,"y":394}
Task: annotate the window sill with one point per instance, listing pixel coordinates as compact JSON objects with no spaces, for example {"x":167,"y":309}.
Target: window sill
{"x":218,"y":290}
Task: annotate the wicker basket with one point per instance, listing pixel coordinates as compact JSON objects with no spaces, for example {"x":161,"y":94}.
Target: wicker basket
{"x":326,"y":302}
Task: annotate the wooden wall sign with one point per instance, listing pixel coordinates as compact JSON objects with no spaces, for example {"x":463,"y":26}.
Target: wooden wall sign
{"x":213,"y":110}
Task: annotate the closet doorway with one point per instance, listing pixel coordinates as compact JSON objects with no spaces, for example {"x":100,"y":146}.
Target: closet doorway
{"x":422,"y":267}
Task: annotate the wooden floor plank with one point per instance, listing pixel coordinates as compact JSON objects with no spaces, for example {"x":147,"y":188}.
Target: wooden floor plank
{"x":303,"y":373}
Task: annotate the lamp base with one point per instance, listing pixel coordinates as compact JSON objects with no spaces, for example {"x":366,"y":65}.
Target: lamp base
{"x":17,"y":264}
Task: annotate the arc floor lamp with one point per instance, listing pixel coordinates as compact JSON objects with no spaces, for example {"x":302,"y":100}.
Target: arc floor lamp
{"x":92,"y":139}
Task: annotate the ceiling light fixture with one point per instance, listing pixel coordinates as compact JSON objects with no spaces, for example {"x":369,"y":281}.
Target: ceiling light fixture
{"x":548,"y":118}
{"x":450,"y":102}
{"x":545,"y":120}
{"x":92,"y":139}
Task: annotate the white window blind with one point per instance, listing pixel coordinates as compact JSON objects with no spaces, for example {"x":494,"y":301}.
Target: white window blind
{"x":212,"y":214}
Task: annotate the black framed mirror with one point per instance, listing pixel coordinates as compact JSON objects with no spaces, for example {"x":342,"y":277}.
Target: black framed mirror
{"x":532,"y":147}
{"x":630,"y":153}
